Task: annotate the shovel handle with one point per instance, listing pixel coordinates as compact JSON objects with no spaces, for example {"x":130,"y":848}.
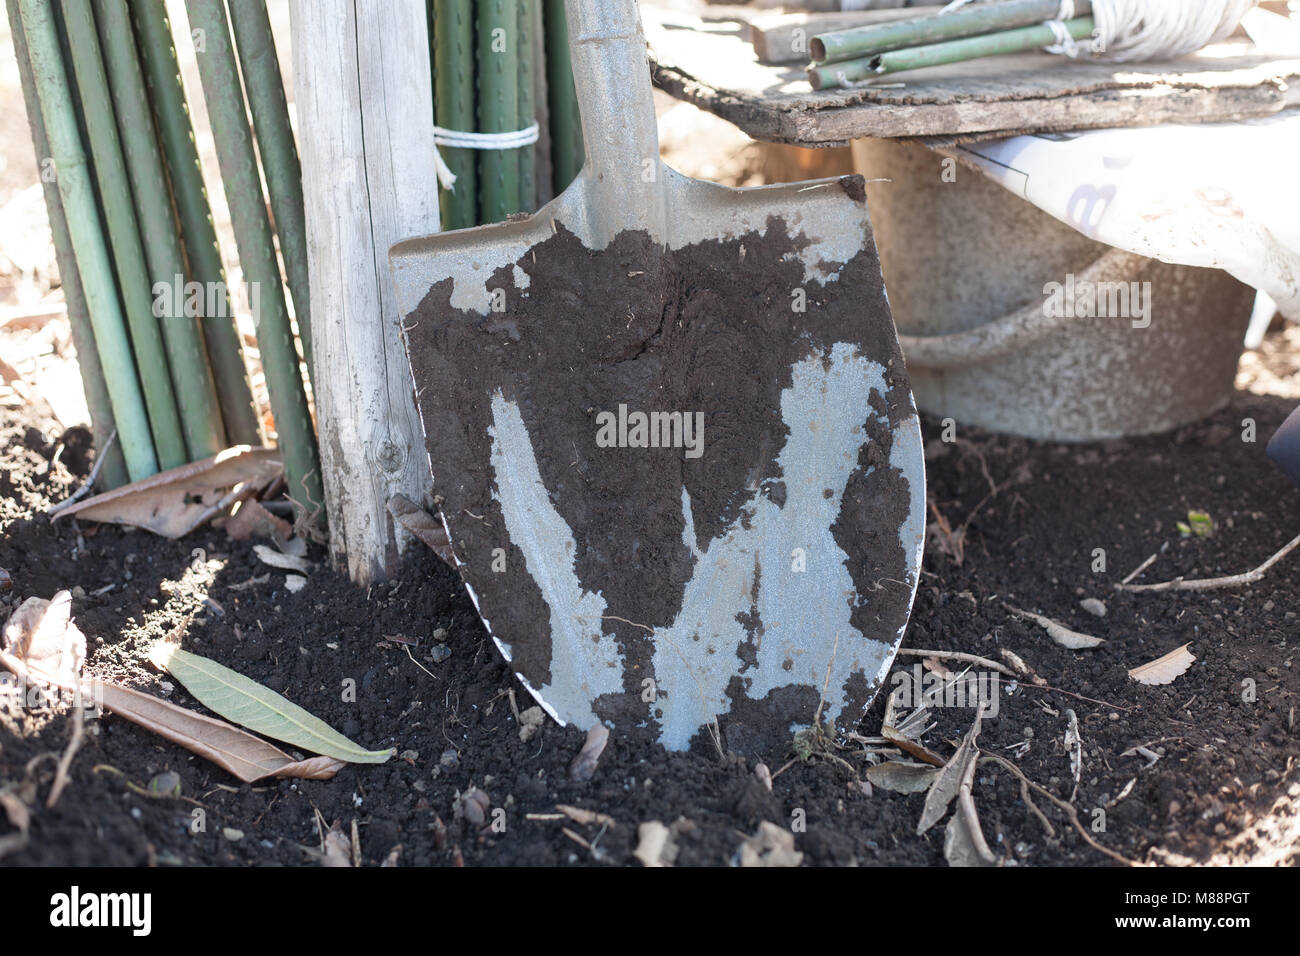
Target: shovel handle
{"x":612,"y":78}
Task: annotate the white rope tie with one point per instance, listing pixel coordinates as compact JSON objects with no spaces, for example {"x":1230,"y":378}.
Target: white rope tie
{"x":462,"y":139}
{"x":1065,"y":44}
{"x":1142,"y":29}
{"x":1152,"y":29}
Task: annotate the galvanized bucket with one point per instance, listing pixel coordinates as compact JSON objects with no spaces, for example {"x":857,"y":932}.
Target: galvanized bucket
{"x":987,"y":292}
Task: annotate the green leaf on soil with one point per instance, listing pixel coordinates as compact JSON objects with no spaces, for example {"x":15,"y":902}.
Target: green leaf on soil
{"x":249,"y":704}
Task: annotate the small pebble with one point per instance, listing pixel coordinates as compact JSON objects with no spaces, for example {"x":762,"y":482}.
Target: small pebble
{"x":449,"y":759}
{"x":231,"y":834}
{"x":1093,"y":606}
{"x":439,"y":653}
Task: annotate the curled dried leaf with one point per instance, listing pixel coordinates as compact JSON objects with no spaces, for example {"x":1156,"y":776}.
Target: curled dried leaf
{"x":944,"y":789}
{"x":1166,"y":669}
{"x":174,"y":502}
{"x":584,"y":765}
{"x":902,"y":777}
{"x":1059,"y":633}
{"x":41,"y":636}
{"x":244,"y":755}
{"x":908,"y":745}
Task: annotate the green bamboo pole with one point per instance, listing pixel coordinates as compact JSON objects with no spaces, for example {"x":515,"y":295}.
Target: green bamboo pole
{"x":167,"y":96}
{"x":858,"y":42}
{"x":527,"y":114}
{"x":78,"y":196}
{"x":265,"y":88}
{"x":542,"y":171}
{"x":497,"y":61}
{"x":123,"y":232}
{"x":243,"y":187}
{"x":453,"y":106}
{"x":113,"y":472}
{"x":937,"y":54}
{"x":566,"y":125}
{"x":196,"y":390}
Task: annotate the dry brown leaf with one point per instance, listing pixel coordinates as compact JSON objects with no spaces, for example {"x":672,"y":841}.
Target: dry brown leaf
{"x":902,"y":777}
{"x":41,"y":635}
{"x":20,"y":818}
{"x":312,"y":768}
{"x":963,"y":840}
{"x":244,"y":755}
{"x":338,"y":848}
{"x":250,"y":518}
{"x":584,"y":765}
{"x":1074,"y":747}
{"x":278,"y":559}
{"x":907,"y":744}
{"x":423,"y":525}
{"x":945,"y":786}
{"x":175,"y":502}
{"x":1071,"y":640}
{"x":1166,"y":669}
{"x":41,"y":642}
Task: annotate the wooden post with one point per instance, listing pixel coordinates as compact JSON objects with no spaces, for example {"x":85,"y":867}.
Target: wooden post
{"x":365,"y":131}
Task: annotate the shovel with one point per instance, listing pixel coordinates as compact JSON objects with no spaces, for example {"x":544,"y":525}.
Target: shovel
{"x":671,"y":434}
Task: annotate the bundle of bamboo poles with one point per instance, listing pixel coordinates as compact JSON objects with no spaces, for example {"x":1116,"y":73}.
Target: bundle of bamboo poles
{"x":844,"y":57}
{"x":161,"y":357}
{"x":499,"y":66}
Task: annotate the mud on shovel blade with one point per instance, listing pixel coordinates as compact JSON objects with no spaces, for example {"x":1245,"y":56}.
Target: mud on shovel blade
{"x":680,"y":466}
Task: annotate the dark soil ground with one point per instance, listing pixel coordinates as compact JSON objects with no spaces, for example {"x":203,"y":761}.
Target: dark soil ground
{"x":1224,"y":789}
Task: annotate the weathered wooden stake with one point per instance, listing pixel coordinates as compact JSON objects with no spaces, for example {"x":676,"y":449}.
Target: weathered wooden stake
{"x":363,"y":94}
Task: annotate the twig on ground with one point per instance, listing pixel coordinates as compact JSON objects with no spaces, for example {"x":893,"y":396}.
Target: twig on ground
{"x":821,"y":701}
{"x":65,"y":762}
{"x":1070,"y":693}
{"x":1207,"y":584}
{"x":1139,"y":569}
{"x":1066,"y":808}
{"x":1028,"y":797}
{"x":89,"y":483}
{"x":952,"y":543}
{"x":417,"y":663}
{"x":960,"y":656}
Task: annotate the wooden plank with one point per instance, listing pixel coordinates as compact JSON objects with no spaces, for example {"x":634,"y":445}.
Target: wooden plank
{"x":365,"y":121}
{"x":717,"y":70}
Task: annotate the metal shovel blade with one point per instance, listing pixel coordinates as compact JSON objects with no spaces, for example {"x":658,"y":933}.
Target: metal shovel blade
{"x":679,"y":463}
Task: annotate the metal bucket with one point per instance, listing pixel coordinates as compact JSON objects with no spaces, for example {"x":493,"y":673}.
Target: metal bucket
{"x":990,"y":341}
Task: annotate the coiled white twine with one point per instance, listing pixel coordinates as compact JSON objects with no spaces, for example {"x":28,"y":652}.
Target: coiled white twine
{"x":1145,"y":29}
{"x":1158,"y":29}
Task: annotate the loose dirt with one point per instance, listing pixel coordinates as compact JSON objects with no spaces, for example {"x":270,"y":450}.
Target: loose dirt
{"x":1225,"y":760}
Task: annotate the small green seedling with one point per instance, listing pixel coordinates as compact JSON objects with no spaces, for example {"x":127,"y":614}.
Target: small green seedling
{"x":1199,"y":524}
